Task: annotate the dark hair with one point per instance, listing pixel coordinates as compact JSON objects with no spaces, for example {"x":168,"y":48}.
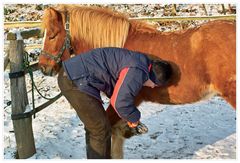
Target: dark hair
{"x":162,"y":70}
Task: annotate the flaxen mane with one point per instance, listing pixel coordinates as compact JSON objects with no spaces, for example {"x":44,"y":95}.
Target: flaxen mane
{"x":92,"y":22}
{"x":98,"y":27}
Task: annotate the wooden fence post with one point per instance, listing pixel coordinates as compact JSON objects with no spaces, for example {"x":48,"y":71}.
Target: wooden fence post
{"x":223,"y":9}
{"x":6,"y":61}
{"x":22,"y":127}
{"x":205,"y":10}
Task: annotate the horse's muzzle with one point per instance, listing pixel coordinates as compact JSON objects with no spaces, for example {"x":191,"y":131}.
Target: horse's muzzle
{"x":47,"y":72}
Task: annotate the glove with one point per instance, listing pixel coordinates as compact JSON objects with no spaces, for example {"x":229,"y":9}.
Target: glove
{"x":132,"y":125}
{"x":138,"y":128}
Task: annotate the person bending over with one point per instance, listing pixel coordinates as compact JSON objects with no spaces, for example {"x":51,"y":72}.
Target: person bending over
{"x":120,"y":74}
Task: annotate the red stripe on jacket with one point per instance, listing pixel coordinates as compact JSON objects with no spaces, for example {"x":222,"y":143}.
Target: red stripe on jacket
{"x":149,"y":67}
{"x":117,"y":87}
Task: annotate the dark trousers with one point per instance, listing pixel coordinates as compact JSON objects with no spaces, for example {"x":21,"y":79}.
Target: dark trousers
{"x":93,"y":116}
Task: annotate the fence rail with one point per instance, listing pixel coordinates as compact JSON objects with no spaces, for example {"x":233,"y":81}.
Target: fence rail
{"x":32,"y":24}
{"x":25,"y":34}
{"x":188,"y":18}
{"x":27,"y":24}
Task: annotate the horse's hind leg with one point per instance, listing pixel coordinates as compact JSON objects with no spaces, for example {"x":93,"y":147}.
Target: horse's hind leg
{"x":221,"y":60}
{"x":228,"y":90}
{"x":223,"y":78}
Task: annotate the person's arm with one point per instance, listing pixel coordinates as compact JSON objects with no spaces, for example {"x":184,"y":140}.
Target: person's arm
{"x":129,"y":84}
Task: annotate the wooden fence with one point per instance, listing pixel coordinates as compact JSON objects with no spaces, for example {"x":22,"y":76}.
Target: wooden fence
{"x":23,"y":127}
{"x":32,"y":24}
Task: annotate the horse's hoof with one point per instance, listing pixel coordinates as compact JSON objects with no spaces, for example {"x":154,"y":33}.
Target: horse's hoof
{"x":141,"y":128}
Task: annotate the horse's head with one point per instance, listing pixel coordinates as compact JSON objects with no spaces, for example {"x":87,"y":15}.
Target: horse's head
{"x":56,"y":42}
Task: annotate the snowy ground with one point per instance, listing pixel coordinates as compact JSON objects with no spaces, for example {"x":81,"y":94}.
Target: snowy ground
{"x":205,"y":130}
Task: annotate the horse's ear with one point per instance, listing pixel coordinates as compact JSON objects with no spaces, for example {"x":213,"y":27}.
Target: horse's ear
{"x":52,"y":21}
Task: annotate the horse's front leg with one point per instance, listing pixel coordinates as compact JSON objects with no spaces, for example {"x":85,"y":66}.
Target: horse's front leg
{"x":117,"y":141}
{"x":117,"y":147}
{"x":121,"y":131}
{"x":117,"y":136}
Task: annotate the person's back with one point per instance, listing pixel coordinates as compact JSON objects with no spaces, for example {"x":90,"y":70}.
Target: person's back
{"x":103,"y":65}
{"x":115,"y":59}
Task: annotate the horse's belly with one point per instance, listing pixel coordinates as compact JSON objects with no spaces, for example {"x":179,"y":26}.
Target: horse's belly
{"x":191,"y":94}
{"x":177,"y":94}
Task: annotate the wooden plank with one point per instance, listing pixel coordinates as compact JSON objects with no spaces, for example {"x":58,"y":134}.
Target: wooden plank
{"x":27,"y":46}
{"x":232,"y":9}
{"x":33,"y":46}
{"x":205,"y":10}
{"x":46,"y":104}
{"x":29,"y":24}
{"x":23,"y":127}
{"x":187,"y":18}
{"x":6,"y":61}
{"x":223,"y":9}
{"x":174,"y":10}
{"x":36,"y":32}
{"x":174,"y":18}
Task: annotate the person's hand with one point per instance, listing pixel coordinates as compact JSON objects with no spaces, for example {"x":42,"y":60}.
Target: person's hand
{"x":132,"y":125}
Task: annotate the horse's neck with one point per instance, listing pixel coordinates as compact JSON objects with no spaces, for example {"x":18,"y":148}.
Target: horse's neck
{"x":79,"y":46}
{"x":157,"y":44}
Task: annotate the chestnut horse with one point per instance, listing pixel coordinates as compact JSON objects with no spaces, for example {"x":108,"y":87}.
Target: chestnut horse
{"x":203,"y":58}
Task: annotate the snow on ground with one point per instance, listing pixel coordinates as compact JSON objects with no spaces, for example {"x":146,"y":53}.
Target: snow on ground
{"x":204,"y":130}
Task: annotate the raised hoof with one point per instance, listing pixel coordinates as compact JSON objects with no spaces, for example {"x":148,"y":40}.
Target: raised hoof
{"x":139,"y":130}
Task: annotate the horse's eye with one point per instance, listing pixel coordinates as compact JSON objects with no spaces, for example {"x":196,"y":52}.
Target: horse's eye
{"x":52,"y":36}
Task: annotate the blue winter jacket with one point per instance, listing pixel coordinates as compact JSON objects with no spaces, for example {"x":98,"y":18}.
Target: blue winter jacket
{"x":100,"y":70}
